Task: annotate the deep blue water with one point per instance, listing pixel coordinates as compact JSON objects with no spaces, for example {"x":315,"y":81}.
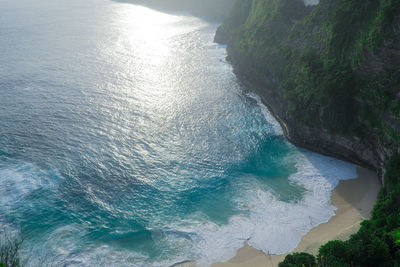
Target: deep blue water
{"x":126,"y":140}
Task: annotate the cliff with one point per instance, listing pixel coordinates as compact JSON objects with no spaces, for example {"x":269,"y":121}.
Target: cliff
{"x":328,"y":72}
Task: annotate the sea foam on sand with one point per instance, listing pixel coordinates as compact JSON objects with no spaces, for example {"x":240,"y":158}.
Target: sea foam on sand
{"x":272,"y":225}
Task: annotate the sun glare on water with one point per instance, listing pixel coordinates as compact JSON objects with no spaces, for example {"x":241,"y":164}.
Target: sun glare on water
{"x":145,"y":50}
{"x":151,"y":27}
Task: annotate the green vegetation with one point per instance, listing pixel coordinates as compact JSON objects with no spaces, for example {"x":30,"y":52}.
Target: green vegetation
{"x":318,"y":57}
{"x":299,"y":260}
{"x":327,"y":79}
{"x":9,"y":248}
{"x":377,"y":243}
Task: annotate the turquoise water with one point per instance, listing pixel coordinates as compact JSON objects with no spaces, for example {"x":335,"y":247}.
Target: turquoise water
{"x":126,"y":140}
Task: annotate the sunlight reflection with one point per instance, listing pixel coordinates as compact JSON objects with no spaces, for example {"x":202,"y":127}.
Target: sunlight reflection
{"x":151,"y":28}
{"x":156,"y":65}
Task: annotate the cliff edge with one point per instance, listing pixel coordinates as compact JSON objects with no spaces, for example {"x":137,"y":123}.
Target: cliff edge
{"x":328,"y":71}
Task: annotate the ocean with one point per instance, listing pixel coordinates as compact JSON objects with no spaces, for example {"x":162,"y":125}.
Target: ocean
{"x":127,"y":140}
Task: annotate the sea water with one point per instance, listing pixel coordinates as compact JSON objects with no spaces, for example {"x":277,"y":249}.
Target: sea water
{"x":126,"y":140}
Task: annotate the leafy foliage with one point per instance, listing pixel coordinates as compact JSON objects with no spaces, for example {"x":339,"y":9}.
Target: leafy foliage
{"x":323,"y":85}
{"x":9,"y":248}
{"x":314,"y":55}
{"x":300,"y":259}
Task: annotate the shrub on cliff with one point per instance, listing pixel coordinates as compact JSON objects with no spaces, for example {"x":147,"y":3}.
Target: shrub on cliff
{"x":301,"y":259}
{"x":321,"y":61}
{"x":9,"y":248}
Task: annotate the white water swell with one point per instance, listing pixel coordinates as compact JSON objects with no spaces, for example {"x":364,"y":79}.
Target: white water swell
{"x":272,"y":225}
{"x":311,"y":2}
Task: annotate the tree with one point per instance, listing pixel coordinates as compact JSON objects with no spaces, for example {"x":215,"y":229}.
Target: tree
{"x":301,"y":259}
{"x":9,"y":248}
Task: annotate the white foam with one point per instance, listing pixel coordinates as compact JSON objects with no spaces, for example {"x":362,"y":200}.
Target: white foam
{"x":64,"y":247}
{"x":267,"y":223}
{"x":311,"y":2}
{"x":272,"y":225}
{"x":18,"y":181}
{"x":275,"y":127}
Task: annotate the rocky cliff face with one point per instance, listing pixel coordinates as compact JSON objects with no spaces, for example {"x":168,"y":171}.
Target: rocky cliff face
{"x":330,"y":72}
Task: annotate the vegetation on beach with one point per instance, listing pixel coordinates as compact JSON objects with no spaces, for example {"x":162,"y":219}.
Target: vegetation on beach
{"x":299,"y":259}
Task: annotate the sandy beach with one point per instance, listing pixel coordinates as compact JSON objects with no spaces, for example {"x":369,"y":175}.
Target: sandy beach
{"x":354,"y":200}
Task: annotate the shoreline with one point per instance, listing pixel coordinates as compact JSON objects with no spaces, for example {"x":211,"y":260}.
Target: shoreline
{"x":354,"y":200}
